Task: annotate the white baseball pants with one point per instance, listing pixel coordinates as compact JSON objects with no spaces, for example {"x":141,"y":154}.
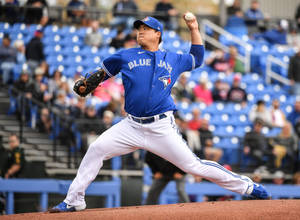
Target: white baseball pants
{"x":160,"y":137}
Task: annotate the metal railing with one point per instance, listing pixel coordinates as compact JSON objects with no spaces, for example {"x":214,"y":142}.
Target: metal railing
{"x":243,"y":58}
{"x":270,"y":74}
{"x":58,"y":117}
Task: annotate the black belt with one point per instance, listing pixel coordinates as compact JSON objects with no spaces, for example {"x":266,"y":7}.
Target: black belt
{"x":147,"y":120}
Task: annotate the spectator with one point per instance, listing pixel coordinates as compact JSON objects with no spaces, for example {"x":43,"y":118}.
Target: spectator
{"x":195,"y":123}
{"x":70,"y":97}
{"x":260,"y":111}
{"x":108,"y":90}
{"x":20,"y":47}
{"x":294,"y":117}
{"x":182,"y":126}
{"x":236,"y":24}
{"x":293,"y":37}
{"x":115,"y":106}
{"x":11,"y":11}
{"x":278,"y":177}
{"x":71,"y":81}
{"x":90,"y":126}
{"x":278,"y":116}
{"x":252,"y":16}
{"x":15,"y":160}
{"x":212,"y":153}
{"x":78,"y":110}
{"x":182,"y":91}
{"x":37,"y":12}
{"x":44,"y":124}
{"x":285,"y":146}
{"x":24,"y":84}
{"x":124,"y":13}
{"x":107,"y":122}
{"x":35,"y":51}
{"x":297,"y":17}
{"x":94,"y":38}
{"x":257,"y":176}
{"x":218,"y":61}
{"x":40,"y":89}
{"x":55,"y":82}
{"x":236,"y":93}
{"x":296,"y":178}
{"x":118,"y":41}
{"x":220,"y":90}
{"x":235,"y":64}
{"x":205,"y":133}
{"x":166,"y":13}
{"x":107,"y":119}
{"x":192,"y":133}
{"x":164,"y":172}
{"x":276,"y":35}
{"x":255,"y":145}
{"x":7,"y":59}
{"x":202,"y":93}
{"x":293,"y":72}
{"x":236,"y":6}
{"x":76,"y":11}
{"x":61,"y":100}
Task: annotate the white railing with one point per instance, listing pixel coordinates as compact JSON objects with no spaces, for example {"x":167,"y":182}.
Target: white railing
{"x":271,"y":74}
{"x":244,"y":58}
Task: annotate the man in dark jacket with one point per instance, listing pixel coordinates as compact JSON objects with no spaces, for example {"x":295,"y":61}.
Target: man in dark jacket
{"x":166,"y":14}
{"x":255,"y":146}
{"x":124,"y":12}
{"x":293,"y":72}
{"x":35,"y":51}
{"x":236,"y":93}
{"x":164,"y":172}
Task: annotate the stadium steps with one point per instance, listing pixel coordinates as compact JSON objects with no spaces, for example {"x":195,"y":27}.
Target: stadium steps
{"x":4,"y":100}
{"x":38,"y":147}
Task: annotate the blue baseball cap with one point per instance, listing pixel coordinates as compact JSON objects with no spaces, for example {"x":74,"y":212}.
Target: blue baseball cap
{"x":150,"y":22}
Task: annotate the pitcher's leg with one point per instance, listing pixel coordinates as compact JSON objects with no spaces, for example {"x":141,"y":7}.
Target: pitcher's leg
{"x":173,"y":148}
{"x":111,"y":143}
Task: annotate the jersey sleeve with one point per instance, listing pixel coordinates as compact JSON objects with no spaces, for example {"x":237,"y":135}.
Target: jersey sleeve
{"x":185,"y":62}
{"x":112,"y":65}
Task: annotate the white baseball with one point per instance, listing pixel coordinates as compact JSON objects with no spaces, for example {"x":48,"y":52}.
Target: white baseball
{"x":189,"y":16}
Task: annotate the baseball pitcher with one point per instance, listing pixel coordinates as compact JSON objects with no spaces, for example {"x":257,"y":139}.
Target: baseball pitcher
{"x":148,"y":76}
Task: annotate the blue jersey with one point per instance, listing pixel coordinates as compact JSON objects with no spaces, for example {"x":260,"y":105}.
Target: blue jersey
{"x":148,"y":78}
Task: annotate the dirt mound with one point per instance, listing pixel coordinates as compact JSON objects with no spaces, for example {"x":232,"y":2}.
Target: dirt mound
{"x":251,"y":209}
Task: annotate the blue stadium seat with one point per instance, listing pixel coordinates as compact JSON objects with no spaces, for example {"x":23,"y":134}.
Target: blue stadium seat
{"x":68,"y":31}
{"x":56,"y":60}
{"x":51,"y":30}
{"x":5,"y":28}
{"x":19,"y":28}
{"x":220,"y":120}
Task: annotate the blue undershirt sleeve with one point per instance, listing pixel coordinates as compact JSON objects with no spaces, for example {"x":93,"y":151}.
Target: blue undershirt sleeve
{"x":198,"y":52}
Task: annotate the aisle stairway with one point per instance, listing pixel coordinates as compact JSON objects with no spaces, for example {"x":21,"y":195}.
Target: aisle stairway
{"x":38,"y":147}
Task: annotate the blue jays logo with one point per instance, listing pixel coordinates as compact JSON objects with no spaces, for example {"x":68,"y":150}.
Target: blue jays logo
{"x":146,"y":19}
{"x":166,"y":80}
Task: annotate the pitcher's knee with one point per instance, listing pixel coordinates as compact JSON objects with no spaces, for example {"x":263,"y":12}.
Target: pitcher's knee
{"x":96,"y":147}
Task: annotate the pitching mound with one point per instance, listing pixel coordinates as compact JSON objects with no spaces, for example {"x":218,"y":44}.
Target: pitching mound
{"x":252,"y":209}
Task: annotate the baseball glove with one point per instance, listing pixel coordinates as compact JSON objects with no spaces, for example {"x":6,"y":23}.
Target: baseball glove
{"x":86,"y":85}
